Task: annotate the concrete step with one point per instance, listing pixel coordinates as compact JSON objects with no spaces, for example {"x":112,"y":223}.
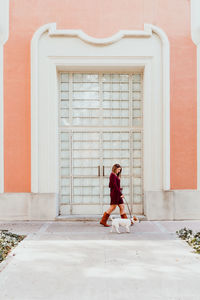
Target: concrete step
{"x":92,"y":217}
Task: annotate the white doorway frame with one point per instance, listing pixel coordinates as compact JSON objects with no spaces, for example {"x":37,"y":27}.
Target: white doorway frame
{"x":55,"y":63}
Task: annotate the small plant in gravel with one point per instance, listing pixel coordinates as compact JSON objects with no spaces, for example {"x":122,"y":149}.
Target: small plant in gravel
{"x":191,"y":238}
{"x":8,"y":240}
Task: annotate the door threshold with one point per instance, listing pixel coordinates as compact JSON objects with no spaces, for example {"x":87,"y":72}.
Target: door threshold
{"x":95,"y":218}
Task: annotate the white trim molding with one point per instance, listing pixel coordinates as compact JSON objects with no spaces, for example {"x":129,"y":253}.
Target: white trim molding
{"x":195,"y":34}
{"x":166,"y":104}
{"x":147,"y":32}
{"x":51,"y":30}
{"x":195,"y":21}
{"x":4,"y":33}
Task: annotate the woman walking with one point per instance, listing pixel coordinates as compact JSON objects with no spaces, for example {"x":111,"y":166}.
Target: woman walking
{"x":116,"y":196}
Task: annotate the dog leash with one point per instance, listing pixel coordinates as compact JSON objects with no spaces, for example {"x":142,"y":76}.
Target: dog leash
{"x":128,"y":209}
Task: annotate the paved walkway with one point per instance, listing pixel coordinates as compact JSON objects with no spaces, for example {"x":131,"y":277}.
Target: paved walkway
{"x":84,"y":261}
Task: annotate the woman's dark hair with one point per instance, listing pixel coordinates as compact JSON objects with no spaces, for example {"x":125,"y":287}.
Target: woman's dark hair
{"x":115,"y":167}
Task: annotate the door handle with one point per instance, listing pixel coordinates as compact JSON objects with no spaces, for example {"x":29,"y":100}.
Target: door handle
{"x":103,"y":171}
{"x":98,"y":170}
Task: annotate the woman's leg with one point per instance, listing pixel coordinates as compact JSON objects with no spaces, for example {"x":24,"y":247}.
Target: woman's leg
{"x":121,"y":208}
{"x":111,"y":208}
{"x":106,"y":215}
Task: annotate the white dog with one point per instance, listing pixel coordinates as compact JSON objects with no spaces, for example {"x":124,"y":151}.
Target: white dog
{"x":121,"y":222}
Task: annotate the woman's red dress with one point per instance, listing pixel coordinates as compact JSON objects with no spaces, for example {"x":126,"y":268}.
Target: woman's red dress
{"x":115,"y":190}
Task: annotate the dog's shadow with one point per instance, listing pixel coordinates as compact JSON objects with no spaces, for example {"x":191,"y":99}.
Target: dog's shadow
{"x":121,"y":232}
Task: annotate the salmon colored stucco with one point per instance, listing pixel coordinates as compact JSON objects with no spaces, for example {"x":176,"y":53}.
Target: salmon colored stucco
{"x":99,"y":18}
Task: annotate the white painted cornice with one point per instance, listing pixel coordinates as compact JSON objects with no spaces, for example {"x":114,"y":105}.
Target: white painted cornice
{"x":147,"y":32}
{"x":102,"y":41}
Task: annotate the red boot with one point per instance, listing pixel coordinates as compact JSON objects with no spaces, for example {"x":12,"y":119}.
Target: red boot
{"x":105,"y":219}
{"x":124,"y":216}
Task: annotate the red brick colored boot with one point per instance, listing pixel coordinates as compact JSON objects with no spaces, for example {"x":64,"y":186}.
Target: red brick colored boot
{"x":105,"y":219}
{"x":124,"y":216}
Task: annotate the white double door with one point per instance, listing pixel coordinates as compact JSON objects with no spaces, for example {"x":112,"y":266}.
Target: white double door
{"x":100,"y":124}
{"x":86,"y":162}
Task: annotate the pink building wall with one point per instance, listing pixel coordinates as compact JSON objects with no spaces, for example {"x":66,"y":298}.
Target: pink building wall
{"x":99,"y":18}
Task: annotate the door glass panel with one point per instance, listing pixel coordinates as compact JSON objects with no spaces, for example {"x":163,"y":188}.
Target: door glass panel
{"x":137,"y":166}
{"x":85,"y":167}
{"x":115,"y":99}
{"x":64,"y":168}
{"x":136,"y":100}
{"x":64,"y":101}
{"x":86,"y":190}
{"x":85,"y":99}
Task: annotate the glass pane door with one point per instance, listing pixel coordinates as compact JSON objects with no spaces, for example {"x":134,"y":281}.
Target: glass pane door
{"x":100,"y":124}
{"x":80,"y":166}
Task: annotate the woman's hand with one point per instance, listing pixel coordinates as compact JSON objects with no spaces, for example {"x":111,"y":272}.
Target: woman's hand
{"x":122,"y":196}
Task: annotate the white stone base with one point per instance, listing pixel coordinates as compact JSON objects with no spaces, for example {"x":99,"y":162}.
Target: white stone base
{"x":28,"y":206}
{"x":158,"y":205}
{"x":172,"y":205}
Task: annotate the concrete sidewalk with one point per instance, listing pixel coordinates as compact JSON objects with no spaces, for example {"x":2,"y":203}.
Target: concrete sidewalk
{"x":84,"y":261}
